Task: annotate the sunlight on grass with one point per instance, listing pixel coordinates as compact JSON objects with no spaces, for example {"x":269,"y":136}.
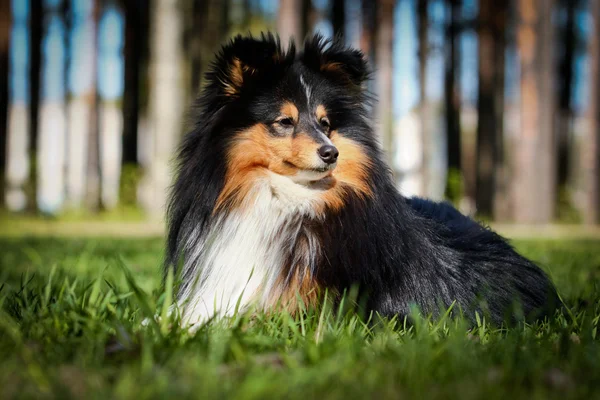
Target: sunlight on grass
{"x":70,"y":326}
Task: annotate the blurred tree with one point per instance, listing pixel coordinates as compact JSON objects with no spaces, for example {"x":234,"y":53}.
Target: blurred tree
{"x":81,"y":107}
{"x":567,"y":43}
{"x":369,"y":21}
{"x":384,"y":72}
{"x":491,"y":185}
{"x":591,"y":149}
{"x":36,"y":25}
{"x":110,"y":91}
{"x":248,"y":14}
{"x":52,"y":113}
{"x":535,"y":158}
{"x":338,"y":17}
{"x":289,"y":21}
{"x":5,"y":24}
{"x":199,"y":10}
{"x":136,"y":57}
{"x":195,"y":41}
{"x":224,"y":20}
{"x":424,"y":112}
{"x":452,"y":90}
{"x":308,"y":17}
{"x":214,"y":32}
{"x":92,"y":168}
{"x":166,"y":104}
{"x":18,"y":163}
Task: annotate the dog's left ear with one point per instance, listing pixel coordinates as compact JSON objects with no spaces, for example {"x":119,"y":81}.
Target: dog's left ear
{"x":336,"y":61}
{"x":244,"y":60}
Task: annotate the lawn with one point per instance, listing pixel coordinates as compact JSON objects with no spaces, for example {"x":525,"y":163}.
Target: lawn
{"x":70,"y":313}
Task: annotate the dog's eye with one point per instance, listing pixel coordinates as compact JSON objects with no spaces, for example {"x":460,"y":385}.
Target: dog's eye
{"x":286,"y":122}
{"x":325,"y":123}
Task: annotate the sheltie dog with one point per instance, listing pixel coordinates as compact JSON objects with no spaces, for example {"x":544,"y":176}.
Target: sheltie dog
{"x":282,"y":192}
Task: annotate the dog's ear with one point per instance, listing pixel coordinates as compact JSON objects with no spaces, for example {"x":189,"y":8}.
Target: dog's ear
{"x":335,"y":60}
{"x":244,"y":60}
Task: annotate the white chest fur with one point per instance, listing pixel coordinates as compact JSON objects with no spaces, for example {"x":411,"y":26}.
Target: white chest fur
{"x":242,"y":256}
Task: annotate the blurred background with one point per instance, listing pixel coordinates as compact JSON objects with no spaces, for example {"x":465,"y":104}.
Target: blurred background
{"x":492,"y":105}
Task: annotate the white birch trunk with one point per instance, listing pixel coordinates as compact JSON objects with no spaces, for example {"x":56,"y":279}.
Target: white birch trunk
{"x":438,"y":163}
{"x":17,"y":169}
{"x":52,"y":115}
{"x":79,"y":115}
{"x":51,"y":157}
{"x":110,"y":115}
{"x":158,"y":142}
{"x":17,"y":149}
{"x":111,"y":138}
{"x":408,"y":158}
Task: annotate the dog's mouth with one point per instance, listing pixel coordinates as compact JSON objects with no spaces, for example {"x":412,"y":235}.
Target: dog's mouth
{"x":321,"y":169}
{"x":315,"y":176}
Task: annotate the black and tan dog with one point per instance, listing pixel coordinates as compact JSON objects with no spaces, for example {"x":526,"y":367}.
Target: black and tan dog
{"x":282,"y":192}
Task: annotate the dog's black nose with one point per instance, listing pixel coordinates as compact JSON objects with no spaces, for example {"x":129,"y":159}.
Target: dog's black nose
{"x":328,"y":153}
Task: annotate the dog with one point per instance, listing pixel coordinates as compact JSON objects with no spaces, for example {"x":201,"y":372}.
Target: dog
{"x":282,"y":193}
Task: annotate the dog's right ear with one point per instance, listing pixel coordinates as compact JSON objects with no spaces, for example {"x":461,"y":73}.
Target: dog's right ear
{"x":336,"y":61}
{"x":244,"y":60}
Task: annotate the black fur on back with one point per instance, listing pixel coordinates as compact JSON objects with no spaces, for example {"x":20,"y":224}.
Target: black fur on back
{"x":399,"y":251}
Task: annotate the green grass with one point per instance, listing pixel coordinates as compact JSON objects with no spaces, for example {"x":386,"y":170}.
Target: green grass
{"x":70,"y":313}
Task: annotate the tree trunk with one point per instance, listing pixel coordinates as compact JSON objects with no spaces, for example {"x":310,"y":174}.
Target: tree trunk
{"x":36,"y":24}
{"x":591,"y":149}
{"x":81,"y":105}
{"x":308,"y":17}
{"x":289,"y":21}
{"x":110,"y":115}
{"x":492,"y":45}
{"x":196,"y":43}
{"x":367,"y":37}
{"x":36,"y":30}
{"x":424,"y":113}
{"x":452,"y":91}
{"x":368,"y":11}
{"x":565,"y":90}
{"x":338,"y":17}
{"x":17,"y":163}
{"x":136,"y":32}
{"x":384,"y":74}
{"x":5,"y":25}
{"x":535,"y":179}
{"x":52,"y":116}
{"x":353,"y":23}
{"x":225,"y":26}
{"x":166,"y":103}
{"x":92,"y":168}
{"x":501,"y":192}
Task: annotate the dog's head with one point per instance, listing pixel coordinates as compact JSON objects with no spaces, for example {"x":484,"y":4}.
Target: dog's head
{"x":292,"y":122}
{"x":298,"y":116}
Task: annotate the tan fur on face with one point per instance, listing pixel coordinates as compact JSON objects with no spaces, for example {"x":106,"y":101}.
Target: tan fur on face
{"x":351,"y":172}
{"x":236,"y":77}
{"x":332,"y":67}
{"x":255,"y":150}
{"x":321,"y":112}
{"x":289,"y":110}
{"x":304,"y":151}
